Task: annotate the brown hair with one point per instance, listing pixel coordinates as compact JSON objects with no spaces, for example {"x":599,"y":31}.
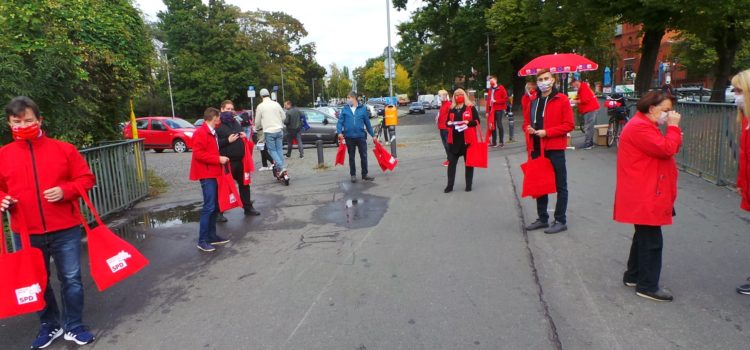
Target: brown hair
{"x":653,"y":98}
{"x":226,"y":102}
{"x":542,"y":71}
{"x":18,"y":105}
{"x":210,"y":113}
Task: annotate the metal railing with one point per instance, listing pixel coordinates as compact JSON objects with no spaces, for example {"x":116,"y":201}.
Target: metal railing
{"x":121,"y":176}
{"x":710,"y":139}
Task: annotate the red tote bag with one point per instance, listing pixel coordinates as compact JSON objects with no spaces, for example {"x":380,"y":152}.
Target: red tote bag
{"x":111,"y":258}
{"x":248,"y":165}
{"x":538,"y":176}
{"x":229,"y":195}
{"x":23,"y":275}
{"x":478,"y":153}
{"x":341,"y":153}
{"x":385,"y":160}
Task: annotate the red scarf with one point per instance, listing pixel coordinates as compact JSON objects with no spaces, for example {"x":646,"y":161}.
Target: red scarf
{"x":470,"y":133}
{"x":247,"y":161}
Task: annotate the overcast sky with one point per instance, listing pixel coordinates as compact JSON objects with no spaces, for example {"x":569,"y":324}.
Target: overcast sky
{"x":346,"y":32}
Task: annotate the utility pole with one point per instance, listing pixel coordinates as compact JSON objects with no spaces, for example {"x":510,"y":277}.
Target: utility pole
{"x":169,"y":82}
{"x":388,"y":21}
{"x":283,"y":95}
{"x":489,"y":72}
{"x":313,"y":92}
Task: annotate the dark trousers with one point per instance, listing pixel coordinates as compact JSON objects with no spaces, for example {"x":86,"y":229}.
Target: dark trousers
{"x":498,"y":128}
{"x":561,"y":178}
{"x":444,"y":138}
{"x":291,"y":135}
{"x":453,"y":163}
{"x":238,"y":173}
{"x":265,"y":157}
{"x":644,"y":262}
{"x":64,"y":248}
{"x":352,"y":144}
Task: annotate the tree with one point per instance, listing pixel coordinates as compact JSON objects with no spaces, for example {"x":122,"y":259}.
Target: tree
{"x":339,"y":84}
{"x":375,"y":83}
{"x":80,"y":62}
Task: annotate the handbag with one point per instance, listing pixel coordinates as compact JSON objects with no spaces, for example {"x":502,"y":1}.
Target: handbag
{"x":341,"y":153}
{"x":538,"y":175}
{"x":23,"y":275}
{"x":247,"y":162}
{"x":385,"y":160}
{"x":111,"y":258}
{"x":229,"y":195}
{"x":478,"y":153}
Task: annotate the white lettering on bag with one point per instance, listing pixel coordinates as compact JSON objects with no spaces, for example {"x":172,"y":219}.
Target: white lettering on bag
{"x":28,"y":294}
{"x":117,"y":262}
{"x":232,"y":198}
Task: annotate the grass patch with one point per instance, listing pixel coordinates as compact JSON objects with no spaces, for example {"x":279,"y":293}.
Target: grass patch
{"x":156,"y":185}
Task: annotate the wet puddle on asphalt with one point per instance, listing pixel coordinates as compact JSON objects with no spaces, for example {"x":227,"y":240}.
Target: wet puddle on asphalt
{"x":137,"y":228}
{"x":354,"y":210}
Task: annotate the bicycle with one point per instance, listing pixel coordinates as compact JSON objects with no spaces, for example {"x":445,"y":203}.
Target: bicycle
{"x":619,"y":114}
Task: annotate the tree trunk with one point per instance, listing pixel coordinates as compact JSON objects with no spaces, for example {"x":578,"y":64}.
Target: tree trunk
{"x":519,"y":83}
{"x":726,"y":44}
{"x":650,"y":52}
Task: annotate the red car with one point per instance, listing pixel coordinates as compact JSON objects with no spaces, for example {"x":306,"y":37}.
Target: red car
{"x":160,"y":133}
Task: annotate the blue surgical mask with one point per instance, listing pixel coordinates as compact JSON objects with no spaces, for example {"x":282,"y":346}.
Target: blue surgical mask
{"x":349,"y":103}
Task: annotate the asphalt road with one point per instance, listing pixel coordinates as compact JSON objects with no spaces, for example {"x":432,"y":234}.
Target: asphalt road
{"x":397,"y":264}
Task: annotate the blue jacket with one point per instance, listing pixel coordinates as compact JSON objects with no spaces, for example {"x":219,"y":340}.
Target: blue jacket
{"x":353,"y":125}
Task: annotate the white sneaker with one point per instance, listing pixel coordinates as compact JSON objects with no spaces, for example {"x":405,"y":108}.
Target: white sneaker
{"x":264,"y":168}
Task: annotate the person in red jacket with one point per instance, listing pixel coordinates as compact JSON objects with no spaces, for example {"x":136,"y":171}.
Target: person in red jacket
{"x":463,"y":121}
{"x":528,"y":96}
{"x":497,"y":100}
{"x":547,"y":124}
{"x":646,"y":188}
{"x":207,"y":165}
{"x":588,"y":107}
{"x":441,"y":119}
{"x":39,"y":178}
{"x":741,"y":84}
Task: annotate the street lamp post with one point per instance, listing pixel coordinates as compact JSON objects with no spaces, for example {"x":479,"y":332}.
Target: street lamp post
{"x":390,"y":76}
{"x":169,"y":82}
{"x":313,"y":92}
{"x":489,"y":72}
{"x":283,"y":95}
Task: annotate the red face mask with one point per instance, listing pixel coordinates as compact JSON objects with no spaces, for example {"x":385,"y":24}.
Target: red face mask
{"x":28,"y":132}
{"x":460,"y":99}
{"x":493,"y":84}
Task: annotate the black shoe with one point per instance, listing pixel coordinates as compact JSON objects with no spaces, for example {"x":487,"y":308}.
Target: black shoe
{"x":628,"y":283}
{"x":251,"y":212}
{"x":221,"y":218}
{"x":468,"y":188}
{"x":556,"y":227}
{"x":368,"y":178}
{"x":659,"y":295}
{"x":744,"y":289}
{"x":538,"y":224}
{"x":287,"y":156}
{"x":448,"y":189}
{"x":219,"y":240}
{"x":354,"y":179}
{"x":301,"y":156}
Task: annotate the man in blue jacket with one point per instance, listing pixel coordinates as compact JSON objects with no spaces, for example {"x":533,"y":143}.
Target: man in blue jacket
{"x":353,"y":126}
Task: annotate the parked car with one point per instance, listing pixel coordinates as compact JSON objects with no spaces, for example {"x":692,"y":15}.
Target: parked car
{"x":372,"y":110}
{"x":329,"y":110}
{"x":426,"y":105}
{"x":416,"y":107}
{"x":198,"y":122}
{"x":729,"y":94}
{"x":379,"y":108}
{"x":403,"y":100}
{"x":160,"y":133}
{"x":321,"y":123}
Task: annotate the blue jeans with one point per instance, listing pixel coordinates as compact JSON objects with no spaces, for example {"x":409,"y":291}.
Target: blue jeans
{"x":207,"y":230}
{"x":64,"y":247}
{"x":275,"y":145}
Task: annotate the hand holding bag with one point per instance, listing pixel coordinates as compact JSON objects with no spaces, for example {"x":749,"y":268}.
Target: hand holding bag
{"x":478,"y":153}
{"x":111,"y":258}
{"x":538,"y":174}
{"x":23,"y":275}
{"x":229,"y":195}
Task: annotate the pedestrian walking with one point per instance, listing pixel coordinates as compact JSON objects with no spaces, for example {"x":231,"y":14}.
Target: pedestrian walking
{"x":441,"y":119}
{"x":232,"y":145}
{"x":293,"y":129}
{"x":646,"y":188}
{"x":270,"y":119}
{"x":40,"y":178}
{"x":206,"y":166}
{"x":547,"y":124}
{"x":497,"y":99}
{"x":741,"y":87}
{"x":588,"y":107}
{"x":353,"y":127}
{"x":463,"y":121}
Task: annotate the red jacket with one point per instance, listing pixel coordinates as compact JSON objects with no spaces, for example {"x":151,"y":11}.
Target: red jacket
{"x":442,"y":119}
{"x":205,"y":163}
{"x":743,"y":175}
{"x":646,"y":173}
{"x":587,"y":101}
{"x":558,"y":122}
{"x":501,"y":99}
{"x":28,"y":168}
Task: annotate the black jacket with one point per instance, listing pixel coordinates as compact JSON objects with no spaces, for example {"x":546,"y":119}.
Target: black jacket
{"x":293,"y":119}
{"x":235,"y":151}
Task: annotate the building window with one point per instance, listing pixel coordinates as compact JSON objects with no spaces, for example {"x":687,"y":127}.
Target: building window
{"x":618,"y":29}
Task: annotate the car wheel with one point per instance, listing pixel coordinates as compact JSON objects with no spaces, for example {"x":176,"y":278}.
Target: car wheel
{"x":158,"y":150}
{"x":179,"y":146}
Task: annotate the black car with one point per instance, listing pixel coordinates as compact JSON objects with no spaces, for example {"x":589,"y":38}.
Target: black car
{"x":321,"y":124}
{"x":416,"y":107}
{"x":379,"y":107}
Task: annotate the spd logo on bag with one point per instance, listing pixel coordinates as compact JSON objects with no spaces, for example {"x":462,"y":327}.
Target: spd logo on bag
{"x":28,"y":294}
{"x":117,"y":262}
{"x":232,"y":198}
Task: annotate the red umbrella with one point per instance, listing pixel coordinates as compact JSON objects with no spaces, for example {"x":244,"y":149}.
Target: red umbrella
{"x":558,"y":63}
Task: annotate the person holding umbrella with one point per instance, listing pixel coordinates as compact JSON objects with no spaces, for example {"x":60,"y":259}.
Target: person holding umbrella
{"x":462,"y":122}
{"x":548,"y":124}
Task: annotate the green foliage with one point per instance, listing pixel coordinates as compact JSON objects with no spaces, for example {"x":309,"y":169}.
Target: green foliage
{"x":339,"y":83}
{"x":375,"y":83}
{"x":80,"y":60}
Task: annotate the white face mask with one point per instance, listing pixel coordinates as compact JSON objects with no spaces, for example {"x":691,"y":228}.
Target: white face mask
{"x":544,"y":85}
{"x":739,"y":101}
{"x":662,"y":118}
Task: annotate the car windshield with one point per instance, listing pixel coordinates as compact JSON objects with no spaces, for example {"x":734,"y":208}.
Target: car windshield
{"x":177,"y":123}
{"x":416,"y":104}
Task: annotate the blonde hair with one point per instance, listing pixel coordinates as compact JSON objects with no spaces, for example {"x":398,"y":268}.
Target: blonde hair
{"x":742,"y":81}
{"x":442,"y":92}
{"x":467,"y":102}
